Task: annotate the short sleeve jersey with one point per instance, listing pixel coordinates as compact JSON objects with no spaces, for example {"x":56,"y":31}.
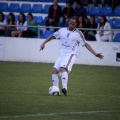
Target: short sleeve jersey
{"x":69,"y":40}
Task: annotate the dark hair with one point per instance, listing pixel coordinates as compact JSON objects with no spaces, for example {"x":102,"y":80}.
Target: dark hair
{"x":74,"y":18}
{"x":93,"y":17}
{"x":13,"y":18}
{"x":2,"y":16}
{"x":105,"y":20}
{"x":31,"y":15}
{"x":24,"y":19}
{"x":68,"y":2}
{"x":78,"y":2}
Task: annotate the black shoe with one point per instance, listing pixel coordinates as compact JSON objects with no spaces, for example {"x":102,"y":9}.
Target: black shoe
{"x":64,"y":91}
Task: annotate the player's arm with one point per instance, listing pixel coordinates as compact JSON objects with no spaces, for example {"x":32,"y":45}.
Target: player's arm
{"x":42,"y":46}
{"x":99,"y":55}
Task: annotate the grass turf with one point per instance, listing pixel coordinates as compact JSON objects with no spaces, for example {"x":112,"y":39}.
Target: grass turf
{"x":93,"y":93}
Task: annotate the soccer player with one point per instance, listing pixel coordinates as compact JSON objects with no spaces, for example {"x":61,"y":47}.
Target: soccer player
{"x":70,"y":38}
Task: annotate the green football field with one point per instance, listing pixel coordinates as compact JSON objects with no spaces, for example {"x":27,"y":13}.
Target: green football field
{"x":93,"y":93}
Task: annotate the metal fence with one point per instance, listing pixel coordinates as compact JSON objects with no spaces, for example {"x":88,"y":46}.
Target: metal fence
{"x":114,"y":31}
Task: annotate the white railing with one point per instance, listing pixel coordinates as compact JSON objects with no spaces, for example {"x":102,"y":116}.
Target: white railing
{"x":40,"y":27}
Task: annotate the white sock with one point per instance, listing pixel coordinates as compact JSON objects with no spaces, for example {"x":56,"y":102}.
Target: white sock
{"x":55,"y":80}
{"x":64,"y":79}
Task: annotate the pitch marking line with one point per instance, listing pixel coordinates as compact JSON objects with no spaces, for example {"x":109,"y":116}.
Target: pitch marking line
{"x":65,"y":113}
{"x":86,"y":95}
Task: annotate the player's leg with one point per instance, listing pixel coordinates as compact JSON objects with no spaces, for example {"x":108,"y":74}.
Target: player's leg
{"x":55,"y":72}
{"x":65,"y":68}
{"x":55,"y":79}
{"x":64,"y":78}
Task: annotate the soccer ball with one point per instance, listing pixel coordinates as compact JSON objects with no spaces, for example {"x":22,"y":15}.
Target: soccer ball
{"x":54,"y":90}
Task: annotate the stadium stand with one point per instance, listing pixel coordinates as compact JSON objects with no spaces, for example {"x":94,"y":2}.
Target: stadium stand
{"x":117,"y":38}
{"x":40,"y":8}
{"x":3,"y":6}
{"x":13,"y":7}
{"x":106,"y":11}
{"x":37,"y":8}
{"x":44,"y":20}
{"x":47,"y":33}
{"x":116,"y":24}
{"x":33,"y":0}
{"x":24,"y":8}
{"x":45,"y":9}
{"x":38,"y":19}
{"x":116,"y":11}
{"x":44,"y":0}
{"x":94,"y":10}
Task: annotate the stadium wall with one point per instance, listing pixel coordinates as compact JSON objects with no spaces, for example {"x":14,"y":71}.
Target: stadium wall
{"x":27,"y":50}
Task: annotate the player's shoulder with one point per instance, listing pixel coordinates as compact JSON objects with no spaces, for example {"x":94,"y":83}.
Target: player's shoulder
{"x":77,"y":31}
{"x":63,"y":28}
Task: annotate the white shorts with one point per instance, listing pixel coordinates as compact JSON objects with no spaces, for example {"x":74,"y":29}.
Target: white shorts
{"x":65,"y":61}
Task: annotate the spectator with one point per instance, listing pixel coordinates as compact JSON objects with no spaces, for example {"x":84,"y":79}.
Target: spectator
{"x":2,"y":23}
{"x":54,"y":15}
{"x":102,"y":34}
{"x":90,"y":35}
{"x":21,"y":26}
{"x":68,"y":12}
{"x":31,"y":31}
{"x":82,"y":24}
{"x":10,"y":21}
{"x":80,"y":10}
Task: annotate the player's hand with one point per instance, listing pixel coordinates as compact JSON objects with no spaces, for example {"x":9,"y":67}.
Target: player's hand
{"x":99,"y":55}
{"x":42,"y":47}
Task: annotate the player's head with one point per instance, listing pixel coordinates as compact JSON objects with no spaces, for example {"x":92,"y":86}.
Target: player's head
{"x":72,"y":23}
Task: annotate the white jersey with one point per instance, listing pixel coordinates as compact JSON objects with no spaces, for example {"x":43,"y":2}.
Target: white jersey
{"x":23,"y":27}
{"x":69,"y":40}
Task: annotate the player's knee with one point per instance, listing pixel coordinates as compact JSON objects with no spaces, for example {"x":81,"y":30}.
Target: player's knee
{"x":63,"y":69}
{"x":54,"y":71}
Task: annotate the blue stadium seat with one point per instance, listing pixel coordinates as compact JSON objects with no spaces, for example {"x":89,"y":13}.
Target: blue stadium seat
{"x":60,"y":24}
{"x":16,"y":17}
{"x":116,"y":24}
{"x":116,"y":11}
{"x":44,"y":0}
{"x":47,"y":33}
{"x":44,"y":21}
{"x":25,"y":8}
{"x":3,"y":6}
{"x":38,"y":19}
{"x":37,"y":8}
{"x":22,"y":0}
{"x":64,"y":1}
{"x":86,"y":7}
{"x":95,"y":10}
{"x":46,"y":8}
{"x":6,"y":17}
{"x":62,"y":6}
{"x":13,"y":7}
{"x":97,"y":20}
{"x":33,"y":0}
{"x":111,"y":22}
{"x":117,"y":38}
{"x":106,"y":11}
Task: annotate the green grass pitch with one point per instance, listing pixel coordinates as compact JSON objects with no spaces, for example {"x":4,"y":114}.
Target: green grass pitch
{"x":93,"y":93}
